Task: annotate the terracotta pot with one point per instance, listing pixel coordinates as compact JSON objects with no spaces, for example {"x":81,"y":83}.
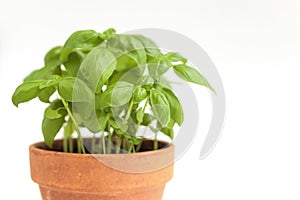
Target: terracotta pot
{"x":71,"y":176}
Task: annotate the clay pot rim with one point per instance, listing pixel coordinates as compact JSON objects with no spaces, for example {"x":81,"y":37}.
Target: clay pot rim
{"x":35,"y":147}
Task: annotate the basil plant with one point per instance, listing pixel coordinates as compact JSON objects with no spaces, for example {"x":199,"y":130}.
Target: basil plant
{"x":111,"y":84}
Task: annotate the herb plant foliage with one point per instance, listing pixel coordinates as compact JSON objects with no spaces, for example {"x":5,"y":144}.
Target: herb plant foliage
{"x":111,"y":84}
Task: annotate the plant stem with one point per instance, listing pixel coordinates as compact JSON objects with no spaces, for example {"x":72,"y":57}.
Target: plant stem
{"x":103,"y":143}
{"x":124,"y":145}
{"x":80,"y":145}
{"x":131,"y":148}
{"x":99,"y":144}
{"x":93,"y":144}
{"x":138,"y":148}
{"x":109,"y":140}
{"x":155,"y":143}
{"x":65,"y":144}
{"x":71,"y":144}
{"x":118,"y":145}
{"x":145,"y":105}
{"x":129,"y":111}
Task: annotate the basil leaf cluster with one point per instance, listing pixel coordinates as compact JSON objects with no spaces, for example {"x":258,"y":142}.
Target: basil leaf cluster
{"x":111,"y":84}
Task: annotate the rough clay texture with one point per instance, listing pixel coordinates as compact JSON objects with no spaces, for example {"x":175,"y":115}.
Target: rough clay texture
{"x":66,"y":176}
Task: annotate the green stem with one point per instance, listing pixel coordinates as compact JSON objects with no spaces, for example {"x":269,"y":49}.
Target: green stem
{"x":129,"y":111}
{"x":99,"y":144}
{"x":93,"y":150}
{"x":70,"y":144}
{"x":124,"y":145}
{"x":138,"y":148}
{"x":103,"y":143}
{"x":126,"y":119}
{"x":145,"y":105}
{"x":140,"y":144}
{"x":80,"y":145}
{"x":155,"y":143}
{"x":109,"y":140}
{"x":65,"y":143}
{"x":131,"y":148}
{"x":118,"y":145}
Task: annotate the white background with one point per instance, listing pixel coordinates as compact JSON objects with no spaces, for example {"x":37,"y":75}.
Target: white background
{"x":255,"y":46}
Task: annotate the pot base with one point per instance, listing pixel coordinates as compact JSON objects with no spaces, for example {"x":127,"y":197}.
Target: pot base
{"x":155,"y":193}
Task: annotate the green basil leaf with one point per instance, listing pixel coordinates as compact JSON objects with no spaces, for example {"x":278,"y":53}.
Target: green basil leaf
{"x":175,"y":106}
{"x":25,"y":92}
{"x":190,"y":74}
{"x":52,"y":66}
{"x":139,"y":115}
{"x":102,"y":119}
{"x":129,"y":51}
{"x":147,"y":119}
{"x":108,"y":33}
{"x":139,"y":94}
{"x":171,"y":124}
{"x":125,"y":62}
{"x":97,"y":68}
{"x":132,"y":125}
{"x":69,"y":128}
{"x":134,"y":140}
{"x":48,"y":87}
{"x":168,"y":132}
{"x":51,"y":82}
{"x":87,"y":115}
{"x":51,"y":127}
{"x":39,"y":74}
{"x":84,"y":40}
{"x":146,"y":82}
{"x":135,"y":106}
{"x":74,"y":90}
{"x":160,"y":106}
{"x":129,"y":76}
{"x":118,"y":123}
{"x":52,"y":114}
{"x":46,"y":93}
{"x":150,"y":47}
{"x":44,"y":73}
{"x":115,"y":77}
{"x":164,"y":82}
{"x":175,"y":57}
{"x":38,"y":88}
{"x":117,"y":95}
{"x":158,"y":66}
{"x":73,"y":63}
{"x":52,"y":57}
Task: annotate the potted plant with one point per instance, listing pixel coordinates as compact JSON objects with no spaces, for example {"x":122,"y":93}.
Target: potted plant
{"x":113,"y":85}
